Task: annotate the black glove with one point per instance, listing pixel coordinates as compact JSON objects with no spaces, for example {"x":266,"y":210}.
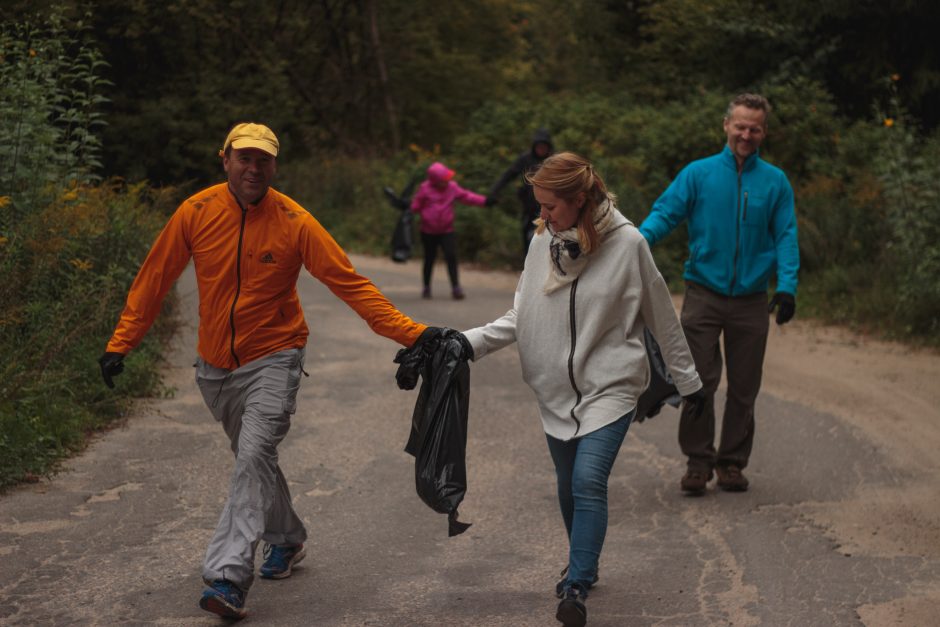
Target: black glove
{"x":112,"y":364}
{"x":787,"y":306}
{"x":430,"y":333}
{"x":467,"y":354}
{"x":411,"y":360}
{"x":490,"y":201}
{"x":695,"y":402}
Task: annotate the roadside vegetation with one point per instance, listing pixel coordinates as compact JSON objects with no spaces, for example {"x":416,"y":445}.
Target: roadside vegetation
{"x":110,"y":114}
{"x":69,"y":247}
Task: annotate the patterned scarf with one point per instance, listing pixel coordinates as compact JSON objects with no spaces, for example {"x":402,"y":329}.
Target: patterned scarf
{"x":565,"y":249}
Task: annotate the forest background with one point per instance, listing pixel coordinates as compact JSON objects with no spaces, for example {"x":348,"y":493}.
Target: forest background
{"x":111,"y":112}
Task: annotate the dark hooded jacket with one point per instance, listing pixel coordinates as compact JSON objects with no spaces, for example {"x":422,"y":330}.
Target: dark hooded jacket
{"x":524,"y":163}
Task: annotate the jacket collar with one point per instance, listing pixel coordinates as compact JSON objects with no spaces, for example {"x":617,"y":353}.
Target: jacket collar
{"x":259,"y":205}
{"x":749,"y":164}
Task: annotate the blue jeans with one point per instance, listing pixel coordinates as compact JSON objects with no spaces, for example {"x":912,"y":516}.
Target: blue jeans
{"x":582,"y":467}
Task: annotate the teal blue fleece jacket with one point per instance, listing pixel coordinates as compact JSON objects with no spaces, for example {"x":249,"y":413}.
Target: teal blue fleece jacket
{"x":742,"y":227}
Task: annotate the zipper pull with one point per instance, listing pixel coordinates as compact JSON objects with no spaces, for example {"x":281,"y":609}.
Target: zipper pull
{"x":744,"y":217}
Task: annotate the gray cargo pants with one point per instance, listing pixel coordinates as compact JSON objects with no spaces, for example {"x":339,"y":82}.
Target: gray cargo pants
{"x":254,"y":404}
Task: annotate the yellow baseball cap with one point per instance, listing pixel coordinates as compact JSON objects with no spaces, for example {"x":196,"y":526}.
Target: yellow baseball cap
{"x":251,"y":135}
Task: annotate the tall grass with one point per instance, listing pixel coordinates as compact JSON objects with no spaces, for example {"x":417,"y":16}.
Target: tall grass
{"x":70,"y":244}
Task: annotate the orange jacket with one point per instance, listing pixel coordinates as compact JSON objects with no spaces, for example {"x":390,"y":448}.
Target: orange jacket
{"x":247,"y":265}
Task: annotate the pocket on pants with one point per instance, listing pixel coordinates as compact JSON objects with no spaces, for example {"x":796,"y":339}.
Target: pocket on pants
{"x":293,"y":384}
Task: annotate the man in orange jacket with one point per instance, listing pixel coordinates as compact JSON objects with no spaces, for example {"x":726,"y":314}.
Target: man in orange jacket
{"x":248,"y":243}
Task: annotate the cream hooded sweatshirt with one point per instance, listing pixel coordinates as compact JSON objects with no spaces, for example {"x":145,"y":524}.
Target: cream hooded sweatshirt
{"x":581,"y":346}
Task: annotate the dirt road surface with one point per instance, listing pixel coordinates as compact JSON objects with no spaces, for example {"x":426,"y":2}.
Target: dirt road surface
{"x":841,"y":525}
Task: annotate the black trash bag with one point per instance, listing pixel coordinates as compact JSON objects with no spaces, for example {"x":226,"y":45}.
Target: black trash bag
{"x":402,"y":236}
{"x":661,"y":389}
{"x":438,"y":438}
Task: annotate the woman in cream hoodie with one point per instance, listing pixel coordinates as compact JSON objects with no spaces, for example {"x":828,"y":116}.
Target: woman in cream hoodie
{"x":588,"y":289}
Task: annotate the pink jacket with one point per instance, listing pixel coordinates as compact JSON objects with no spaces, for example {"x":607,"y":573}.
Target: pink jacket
{"x":435,"y":203}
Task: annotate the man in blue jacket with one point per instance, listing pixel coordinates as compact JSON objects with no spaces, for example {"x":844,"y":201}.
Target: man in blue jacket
{"x":742,"y":228}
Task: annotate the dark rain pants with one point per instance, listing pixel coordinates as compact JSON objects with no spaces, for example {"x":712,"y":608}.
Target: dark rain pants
{"x":448,"y":243}
{"x":743,"y":322}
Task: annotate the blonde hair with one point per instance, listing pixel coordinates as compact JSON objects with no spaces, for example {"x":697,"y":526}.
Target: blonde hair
{"x":567,"y":175}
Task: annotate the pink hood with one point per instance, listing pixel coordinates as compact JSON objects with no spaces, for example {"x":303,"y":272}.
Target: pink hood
{"x":439,"y":173}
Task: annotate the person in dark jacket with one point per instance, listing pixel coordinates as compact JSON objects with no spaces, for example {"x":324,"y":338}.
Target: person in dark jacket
{"x":524,"y":164}
{"x":742,"y":231}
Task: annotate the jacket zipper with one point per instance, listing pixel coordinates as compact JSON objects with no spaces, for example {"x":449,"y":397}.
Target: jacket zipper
{"x":737,"y":238}
{"x":238,"y":284}
{"x":574,"y":336}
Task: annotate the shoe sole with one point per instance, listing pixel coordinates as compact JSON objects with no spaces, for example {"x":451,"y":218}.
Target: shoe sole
{"x":298,"y":557}
{"x":218,"y":606}
{"x":570,"y":615}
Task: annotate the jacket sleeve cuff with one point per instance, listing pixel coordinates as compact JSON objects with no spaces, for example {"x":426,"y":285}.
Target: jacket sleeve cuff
{"x":475,"y":337}
{"x":689,"y":385}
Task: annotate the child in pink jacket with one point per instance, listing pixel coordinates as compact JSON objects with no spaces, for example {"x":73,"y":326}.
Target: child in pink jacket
{"x":434,"y":202}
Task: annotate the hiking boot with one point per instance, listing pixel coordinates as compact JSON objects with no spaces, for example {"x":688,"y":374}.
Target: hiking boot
{"x":458,"y":293}
{"x":560,"y":586}
{"x":279,"y":559}
{"x":426,"y":292}
{"x":571,"y":610}
{"x":731,"y":479}
{"x":224,"y":598}
{"x":694,"y":481}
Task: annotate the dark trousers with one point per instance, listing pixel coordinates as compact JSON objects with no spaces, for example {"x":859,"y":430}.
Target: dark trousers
{"x":448,"y":243}
{"x":744,"y":323}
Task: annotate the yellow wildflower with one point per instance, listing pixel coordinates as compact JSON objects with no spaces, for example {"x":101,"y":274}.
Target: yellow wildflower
{"x":4,"y":201}
{"x":80,"y":264}
{"x":895,"y":77}
{"x":3,"y":240}
{"x":889,"y":122}
{"x":32,"y":52}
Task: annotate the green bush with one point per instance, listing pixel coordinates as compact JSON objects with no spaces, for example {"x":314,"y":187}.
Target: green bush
{"x":67,"y":269}
{"x":69,"y":248}
{"x":50,"y":108}
{"x":909,"y":166}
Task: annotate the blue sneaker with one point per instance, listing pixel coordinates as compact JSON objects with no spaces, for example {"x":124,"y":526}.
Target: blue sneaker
{"x":224,"y":598}
{"x":279,"y":559}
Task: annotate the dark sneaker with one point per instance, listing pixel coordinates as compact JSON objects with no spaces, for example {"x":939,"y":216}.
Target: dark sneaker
{"x":458,"y":293}
{"x":280,"y":559}
{"x":731,"y":479}
{"x":560,"y":586}
{"x":224,"y":598}
{"x":571,"y":610}
{"x":426,"y":292}
{"x":694,"y":482}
